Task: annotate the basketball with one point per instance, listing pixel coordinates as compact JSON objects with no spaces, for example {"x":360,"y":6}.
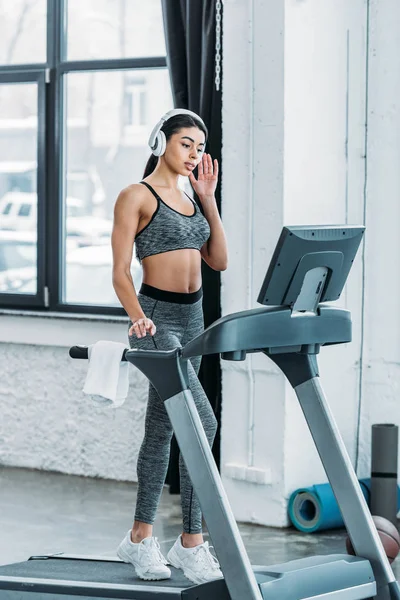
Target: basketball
{"x":389,"y":535}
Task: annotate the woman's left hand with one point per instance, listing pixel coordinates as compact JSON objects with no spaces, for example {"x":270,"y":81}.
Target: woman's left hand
{"x":206,"y":183}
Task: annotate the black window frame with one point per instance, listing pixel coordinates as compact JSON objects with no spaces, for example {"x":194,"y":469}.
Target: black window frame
{"x":50,"y":173}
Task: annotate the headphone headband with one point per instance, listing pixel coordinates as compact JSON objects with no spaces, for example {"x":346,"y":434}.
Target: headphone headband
{"x":156,"y":144}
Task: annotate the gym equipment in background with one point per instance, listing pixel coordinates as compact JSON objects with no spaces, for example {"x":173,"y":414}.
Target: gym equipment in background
{"x":388,"y":534}
{"x":384,"y":452}
{"x":315,"y":508}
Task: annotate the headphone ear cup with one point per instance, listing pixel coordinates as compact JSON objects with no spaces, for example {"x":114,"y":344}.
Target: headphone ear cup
{"x":161,"y":144}
{"x":157,"y":140}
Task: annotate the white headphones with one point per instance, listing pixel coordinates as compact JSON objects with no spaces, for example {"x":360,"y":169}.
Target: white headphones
{"x":157,"y":139}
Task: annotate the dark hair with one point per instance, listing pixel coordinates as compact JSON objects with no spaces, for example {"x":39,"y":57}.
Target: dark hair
{"x":173,"y":125}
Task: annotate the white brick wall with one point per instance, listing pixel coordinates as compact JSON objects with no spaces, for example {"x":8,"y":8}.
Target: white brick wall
{"x":46,"y":421}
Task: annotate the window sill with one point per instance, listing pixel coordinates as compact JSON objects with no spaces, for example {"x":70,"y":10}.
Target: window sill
{"x":60,"y":329}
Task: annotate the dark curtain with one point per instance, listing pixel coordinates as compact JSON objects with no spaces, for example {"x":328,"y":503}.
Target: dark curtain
{"x":189,"y":27}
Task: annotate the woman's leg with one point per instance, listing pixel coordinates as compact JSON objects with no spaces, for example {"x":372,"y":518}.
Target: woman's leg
{"x":153,"y":458}
{"x":152,"y":465}
{"x":192,"y":517}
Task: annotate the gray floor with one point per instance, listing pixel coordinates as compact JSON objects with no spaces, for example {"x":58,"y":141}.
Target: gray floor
{"x":43,"y":512}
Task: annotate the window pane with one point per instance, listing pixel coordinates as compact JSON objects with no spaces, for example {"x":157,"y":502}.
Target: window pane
{"x":24,"y":210}
{"x":109,"y":115}
{"x":114,"y":29}
{"x":18,"y":199}
{"x":23,"y":25}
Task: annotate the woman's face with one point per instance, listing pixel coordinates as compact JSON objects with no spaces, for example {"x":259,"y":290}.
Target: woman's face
{"x":184,"y":150}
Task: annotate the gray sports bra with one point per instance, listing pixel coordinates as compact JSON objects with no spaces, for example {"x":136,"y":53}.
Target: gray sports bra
{"x":169,"y":230}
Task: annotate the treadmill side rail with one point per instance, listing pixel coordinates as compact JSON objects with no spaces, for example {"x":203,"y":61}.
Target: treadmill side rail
{"x":15,"y":586}
{"x":337,"y":576}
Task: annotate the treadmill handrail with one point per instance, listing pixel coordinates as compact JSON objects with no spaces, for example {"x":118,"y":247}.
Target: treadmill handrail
{"x":83,"y":352}
{"x":271,"y":327}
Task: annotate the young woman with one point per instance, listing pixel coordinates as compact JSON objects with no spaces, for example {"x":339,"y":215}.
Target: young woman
{"x":171,"y":236}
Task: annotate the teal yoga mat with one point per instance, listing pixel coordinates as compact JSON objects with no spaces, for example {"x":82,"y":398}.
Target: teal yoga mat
{"x":315,"y":508}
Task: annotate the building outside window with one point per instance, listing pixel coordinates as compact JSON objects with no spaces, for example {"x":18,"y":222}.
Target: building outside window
{"x":135,"y":102}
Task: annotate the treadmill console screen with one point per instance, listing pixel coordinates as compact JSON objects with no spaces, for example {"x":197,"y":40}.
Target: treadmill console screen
{"x":310,"y":264}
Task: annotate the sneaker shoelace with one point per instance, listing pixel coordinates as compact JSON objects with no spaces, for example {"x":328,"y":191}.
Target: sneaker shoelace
{"x":203,"y":555}
{"x":152,"y":552}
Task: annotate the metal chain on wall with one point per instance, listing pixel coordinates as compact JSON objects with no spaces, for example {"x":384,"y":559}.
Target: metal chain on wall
{"x":218,"y":45}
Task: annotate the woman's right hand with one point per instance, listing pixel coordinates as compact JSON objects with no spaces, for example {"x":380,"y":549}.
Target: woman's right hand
{"x":140,"y":327}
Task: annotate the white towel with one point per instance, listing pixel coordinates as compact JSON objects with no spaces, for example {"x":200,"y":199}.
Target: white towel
{"x":107,"y":379}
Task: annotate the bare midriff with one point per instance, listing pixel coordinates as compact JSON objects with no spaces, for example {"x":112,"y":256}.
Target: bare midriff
{"x":174,"y":271}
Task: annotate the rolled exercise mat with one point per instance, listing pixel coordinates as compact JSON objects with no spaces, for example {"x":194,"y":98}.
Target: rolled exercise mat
{"x":367,"y":483}
{"x":384,"y":449}
{"x":315,"y":508}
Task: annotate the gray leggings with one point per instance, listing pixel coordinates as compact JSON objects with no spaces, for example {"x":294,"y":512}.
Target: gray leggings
{"x":178,"y":318}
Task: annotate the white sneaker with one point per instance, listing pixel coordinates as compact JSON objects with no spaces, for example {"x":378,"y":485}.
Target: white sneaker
{"x":198,"y":564}
{"x":145,"y":556}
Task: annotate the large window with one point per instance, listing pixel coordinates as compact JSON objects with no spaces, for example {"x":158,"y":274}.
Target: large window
{"x":81,"y":84}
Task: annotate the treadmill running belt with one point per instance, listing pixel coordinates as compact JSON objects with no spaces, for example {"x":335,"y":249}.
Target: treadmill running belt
{"x":98,"y":571}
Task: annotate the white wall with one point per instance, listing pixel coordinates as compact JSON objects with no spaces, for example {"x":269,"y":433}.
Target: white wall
{"x":253,"y":412}
{"x":324,"y":74}
{"x":381,"y":370}
{"x":324,"y":171}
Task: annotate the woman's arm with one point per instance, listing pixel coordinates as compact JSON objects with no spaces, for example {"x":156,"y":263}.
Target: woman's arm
{"x":215,"y":250}
{"x":126,"y":220}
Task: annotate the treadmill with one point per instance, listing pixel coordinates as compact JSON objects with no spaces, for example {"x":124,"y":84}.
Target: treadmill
{"x":309,"y":267}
